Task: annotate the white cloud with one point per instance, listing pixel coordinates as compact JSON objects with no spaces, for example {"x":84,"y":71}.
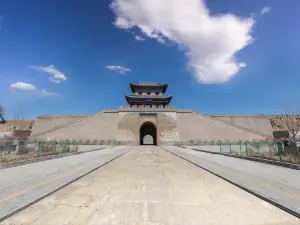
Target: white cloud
{"x":242,"y":65}
{"x":29,"y":88}
{"x":209,"y":41}
{"x":55,"y":75}
{"x":23,"y":87}
{"x":122,"y":23}
{"x":265,"y":10}
{"x":139,"y":38}
{"x":119,"y":69}
{"x":47,"y":93}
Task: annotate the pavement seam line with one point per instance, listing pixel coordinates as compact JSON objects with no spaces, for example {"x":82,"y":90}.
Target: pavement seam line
{"x":57,"y":189}
{"x":263,"y":178}
{"x":273,"y":202}
{"x":38,"y":185}
{"x":48,"y":210}
{"x":264,"y":185}
{"x":281,"y":192}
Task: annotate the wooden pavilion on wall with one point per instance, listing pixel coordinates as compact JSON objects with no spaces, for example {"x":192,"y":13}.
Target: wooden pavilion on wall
{"x":148,"y":95}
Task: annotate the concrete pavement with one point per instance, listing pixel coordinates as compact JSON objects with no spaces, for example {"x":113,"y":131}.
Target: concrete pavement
{"x":278,"y":184}
{"x":151,"y":186}
{"x":22,"y":185}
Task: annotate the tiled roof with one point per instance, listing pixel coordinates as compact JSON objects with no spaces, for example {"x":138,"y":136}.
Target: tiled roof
{"x":147,"y":84}
{"x":148,"y":96}
{"x":133,"y":86}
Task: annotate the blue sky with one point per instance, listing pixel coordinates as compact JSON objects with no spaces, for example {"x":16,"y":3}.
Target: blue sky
{"x":54,"y":55}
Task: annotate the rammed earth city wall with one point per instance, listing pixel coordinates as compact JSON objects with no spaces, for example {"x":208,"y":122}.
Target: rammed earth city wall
{"x":172,"y":125}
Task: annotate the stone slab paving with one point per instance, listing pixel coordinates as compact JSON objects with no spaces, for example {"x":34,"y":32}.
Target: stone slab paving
{"x":22,"y":185}
{"x":279,"y":184}
{"x":152,"y":187}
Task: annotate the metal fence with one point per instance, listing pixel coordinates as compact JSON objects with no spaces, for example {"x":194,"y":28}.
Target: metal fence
{"x":264,"y":150}
{"x":12,"y":150}
{"x":21,"y":150}
{"x":17,"y":150}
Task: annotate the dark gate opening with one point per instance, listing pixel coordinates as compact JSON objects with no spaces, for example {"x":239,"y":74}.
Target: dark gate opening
{"x":148,"y":134}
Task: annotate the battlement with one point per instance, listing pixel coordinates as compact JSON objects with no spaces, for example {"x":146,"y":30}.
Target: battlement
{"x":146,"y":109}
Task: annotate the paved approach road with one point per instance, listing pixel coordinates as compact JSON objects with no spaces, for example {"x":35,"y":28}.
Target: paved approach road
{"x":150,"y":186}
{"x":22,"y":185}
{"x":279,"y":184}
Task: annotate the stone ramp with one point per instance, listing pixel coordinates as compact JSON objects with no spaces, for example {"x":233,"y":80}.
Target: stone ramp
{"x":23,"y":185}
{"x":259,"y":123}
{"x":151,"y":186}
{"x":47,"y":123}
{"x":198,"y":127}
{"x":278,"y":185}
{"x":96,"y":127}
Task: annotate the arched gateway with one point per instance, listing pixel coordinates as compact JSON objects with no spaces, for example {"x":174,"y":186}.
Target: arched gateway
{"x":148,"y":134}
